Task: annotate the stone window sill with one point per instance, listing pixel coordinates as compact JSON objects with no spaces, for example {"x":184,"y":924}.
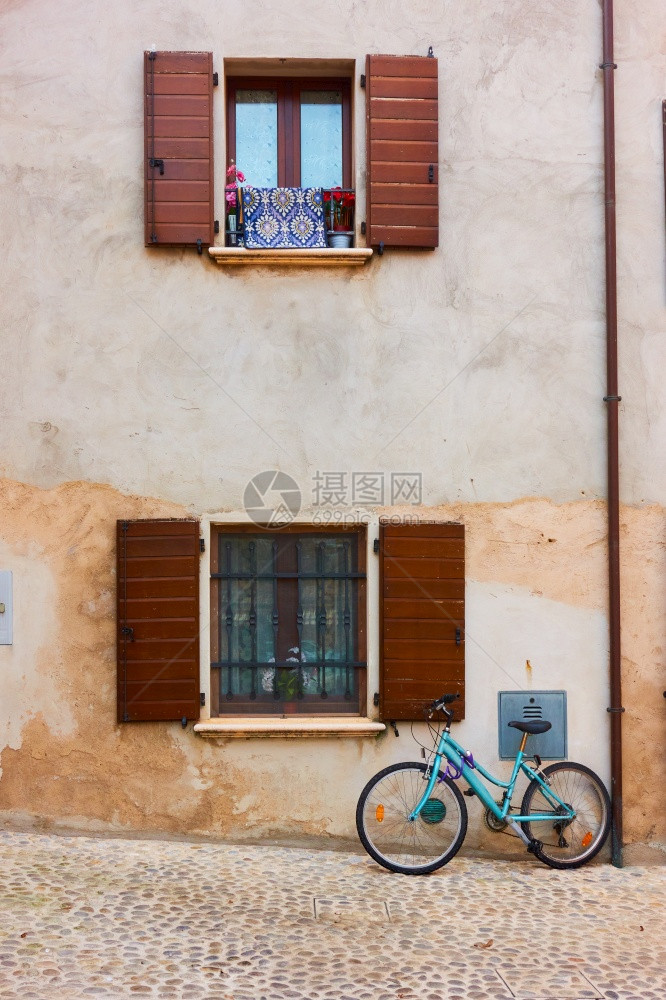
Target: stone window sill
{"x":328,"y":257}
{"x":285,"y":727}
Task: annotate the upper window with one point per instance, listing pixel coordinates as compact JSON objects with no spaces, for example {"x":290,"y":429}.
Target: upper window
{"x":290,"y":132}
{"x":288,"y":621}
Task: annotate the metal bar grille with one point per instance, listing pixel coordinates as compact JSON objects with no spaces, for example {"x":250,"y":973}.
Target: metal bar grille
{"x":291,"y":634}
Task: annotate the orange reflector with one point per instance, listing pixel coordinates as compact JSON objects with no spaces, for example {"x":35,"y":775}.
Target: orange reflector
{"x":587,"y":839}
{"x":379,"y":813}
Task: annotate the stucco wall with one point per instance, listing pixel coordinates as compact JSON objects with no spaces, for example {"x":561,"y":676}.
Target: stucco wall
{"x":144,"y":382}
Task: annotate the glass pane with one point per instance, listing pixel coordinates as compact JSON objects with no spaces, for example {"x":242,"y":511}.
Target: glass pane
{"x":257,"y":136}
{"x":272,"y":616}
{"x":321,"y":138}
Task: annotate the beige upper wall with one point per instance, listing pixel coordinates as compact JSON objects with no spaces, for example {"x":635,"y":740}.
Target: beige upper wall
{"x":481,"y":365}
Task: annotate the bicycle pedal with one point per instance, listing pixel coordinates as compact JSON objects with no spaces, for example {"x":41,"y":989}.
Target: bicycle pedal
{"x":469,"y":792}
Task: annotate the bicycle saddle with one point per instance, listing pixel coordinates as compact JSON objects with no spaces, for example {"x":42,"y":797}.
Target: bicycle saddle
{"x":532,"y":727}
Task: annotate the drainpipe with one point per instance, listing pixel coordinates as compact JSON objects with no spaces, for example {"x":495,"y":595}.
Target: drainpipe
{"x":612,"y":400}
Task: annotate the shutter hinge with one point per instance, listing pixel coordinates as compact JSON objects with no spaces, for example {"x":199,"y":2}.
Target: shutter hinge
{"x":199,"y":247}
{"x":183,"y":722}
{"x":375,"y":700}
{"x":431,"y":54}
{"x":458,"y":636}
{"x":380,"y":249}
{"x":202,"y":545}
{"x":363,"y":229}
{"x":216,"y":79}
{"x":216,"y":226}
{"x":363,"y":79}
{"x":157,"y":163}
{"x":375,"y":546}
{"x":202,"y":698}
{"x":124,"y":525}
{"x":126,"y":717}
{"x":431,"y":173}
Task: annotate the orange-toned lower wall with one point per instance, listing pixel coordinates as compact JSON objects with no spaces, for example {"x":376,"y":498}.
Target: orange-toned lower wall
{"x":65,"y":762}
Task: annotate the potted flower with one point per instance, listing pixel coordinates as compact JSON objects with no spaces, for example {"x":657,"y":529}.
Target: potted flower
{"x":234,"y":178}
{"x":341,"y":214}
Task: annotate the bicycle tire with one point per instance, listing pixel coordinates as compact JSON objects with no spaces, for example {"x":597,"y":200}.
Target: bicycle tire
{"x":420,"y":846}
{"x":577,"y":841}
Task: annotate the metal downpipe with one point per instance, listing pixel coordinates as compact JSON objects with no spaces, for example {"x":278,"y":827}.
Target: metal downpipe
{"x":612,"y":400}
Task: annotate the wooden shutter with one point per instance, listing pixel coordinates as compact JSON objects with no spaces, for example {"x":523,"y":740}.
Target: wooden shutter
{"x":178,"y":89}
{"x":422,"y":617}
{"x":158,"y":620}
{"x":402,"y":170}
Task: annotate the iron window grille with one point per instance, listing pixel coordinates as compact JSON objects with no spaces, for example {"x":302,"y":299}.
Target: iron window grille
{"x":287,"y":622}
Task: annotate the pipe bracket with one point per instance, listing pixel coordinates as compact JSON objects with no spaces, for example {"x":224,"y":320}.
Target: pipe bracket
{"x":612,"y":399}
{"x":608,"y":65}
{"x":619,"y":710}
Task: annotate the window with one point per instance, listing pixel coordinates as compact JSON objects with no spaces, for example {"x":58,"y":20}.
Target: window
{"x":290,"y":132}
{"x":288,"y":622}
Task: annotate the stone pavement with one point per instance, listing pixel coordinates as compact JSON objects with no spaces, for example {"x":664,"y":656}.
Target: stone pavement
{"x":84,"y":917}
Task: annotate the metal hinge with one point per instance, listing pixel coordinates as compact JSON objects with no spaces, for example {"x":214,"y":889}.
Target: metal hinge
{"x":380,"y":249}
{"x":202,"y":698}
{"x":202,"y":545}
{"x":431,"y":173}
{"x":216,"y":226}
{"x":431,"y":54}
{"x":199,"y":247}
{"x":363,"y":79}
{"x":375,"y":700}
{"x":157,"y":163}
{"x":363,"y":229}
{"x":216,"y":79}
{"x":375,"y":546}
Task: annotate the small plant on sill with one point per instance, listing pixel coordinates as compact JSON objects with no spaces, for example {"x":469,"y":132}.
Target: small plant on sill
{"x":234,"y":178}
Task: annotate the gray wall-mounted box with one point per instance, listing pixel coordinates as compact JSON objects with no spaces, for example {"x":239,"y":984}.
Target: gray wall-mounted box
{"x":533,"y":706}
{"x":6,"y":608}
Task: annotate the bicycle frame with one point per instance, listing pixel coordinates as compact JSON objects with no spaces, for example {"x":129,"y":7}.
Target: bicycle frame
{"x":456,"y":755}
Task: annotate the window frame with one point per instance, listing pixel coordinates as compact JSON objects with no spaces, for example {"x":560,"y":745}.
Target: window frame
{"x":289,"y":91}
{"x":248,"y":709}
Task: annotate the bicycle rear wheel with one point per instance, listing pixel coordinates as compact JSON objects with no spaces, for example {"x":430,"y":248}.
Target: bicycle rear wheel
{"x":419,"y":846}
{"x":568,"y":843}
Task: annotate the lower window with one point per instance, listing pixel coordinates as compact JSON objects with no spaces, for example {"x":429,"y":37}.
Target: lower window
{"x":288,"y":621}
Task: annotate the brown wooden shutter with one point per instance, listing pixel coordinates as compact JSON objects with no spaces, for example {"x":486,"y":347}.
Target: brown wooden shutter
{"x":422,"y":617}
{"x":402,"y":170}
{"x":158,"y":620}
{"x":178,"y":89}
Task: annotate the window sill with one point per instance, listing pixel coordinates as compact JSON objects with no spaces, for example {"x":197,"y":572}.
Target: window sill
{"x":324,"y":257}
{"x":284,"y":727}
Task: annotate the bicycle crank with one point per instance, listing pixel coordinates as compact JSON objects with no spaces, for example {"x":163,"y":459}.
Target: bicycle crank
{"x":493,"y":823}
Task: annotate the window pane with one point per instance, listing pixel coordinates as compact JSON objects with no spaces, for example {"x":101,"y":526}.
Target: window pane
{"x":321,"y":138}
{"x":256,"y":136}
{"x":287,"y":613}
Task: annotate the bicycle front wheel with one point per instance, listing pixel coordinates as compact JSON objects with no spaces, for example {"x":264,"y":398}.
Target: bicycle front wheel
{"x":568,"y":843}
{"x":413,"y":847}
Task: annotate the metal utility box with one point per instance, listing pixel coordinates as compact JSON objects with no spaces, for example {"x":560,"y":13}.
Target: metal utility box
{"x":533,"y":706}
{"x":6,"y":608}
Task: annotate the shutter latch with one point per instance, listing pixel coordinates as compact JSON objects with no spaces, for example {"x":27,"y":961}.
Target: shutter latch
{"x":157,"y":163}
{"x":129,"y":632}
{"x":394,"y":727}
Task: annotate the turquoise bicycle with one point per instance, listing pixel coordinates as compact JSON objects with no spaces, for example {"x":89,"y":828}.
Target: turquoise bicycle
{"x":412,"y":818}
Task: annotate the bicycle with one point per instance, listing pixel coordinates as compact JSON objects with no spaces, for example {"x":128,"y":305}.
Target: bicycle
{"x":564,"y":818}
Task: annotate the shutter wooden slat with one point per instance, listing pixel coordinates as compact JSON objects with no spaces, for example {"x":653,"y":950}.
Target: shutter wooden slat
{"x":402,"y":139}
{"x":179,"y":131}
{"x":158,"y":600}
{"x":423,"y":604}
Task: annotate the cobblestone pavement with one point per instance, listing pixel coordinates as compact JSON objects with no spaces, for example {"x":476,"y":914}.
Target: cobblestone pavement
{"x":83,"y":917}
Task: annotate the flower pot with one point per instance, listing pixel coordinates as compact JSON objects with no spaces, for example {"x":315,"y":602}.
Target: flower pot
{"x":339,"y":240}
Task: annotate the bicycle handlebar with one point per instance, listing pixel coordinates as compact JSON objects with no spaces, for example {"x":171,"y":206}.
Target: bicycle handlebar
{"x":439,"y":705}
